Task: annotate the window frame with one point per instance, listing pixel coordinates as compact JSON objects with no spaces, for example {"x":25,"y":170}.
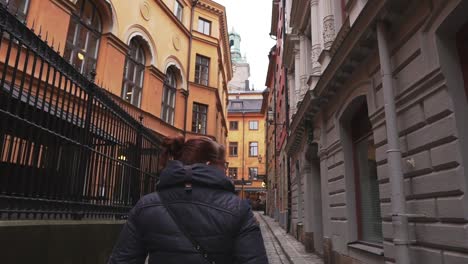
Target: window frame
{"x":138,"y":67}
{"x":199,"y":67}
{"x":253,"y":147}
{"x":22,"y":16}
{"x":253,"y":122}
{"x":250,"y":175}
{"x":231,"y":127}
{"x":168,"y":100}
{"x":76,"y":27}
{"x":234,"y":146}
{"x":196,"y":114}
{"x":178,"y":6}
{"x":235,"y":169}
{"x":362,"y":136}
{"x":204,"y":23}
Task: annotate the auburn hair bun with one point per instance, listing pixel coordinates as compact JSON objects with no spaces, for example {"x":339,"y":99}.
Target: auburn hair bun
{"x":174,"y":146}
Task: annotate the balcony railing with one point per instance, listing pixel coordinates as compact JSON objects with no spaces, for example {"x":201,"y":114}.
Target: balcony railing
{"x":67,"y":150}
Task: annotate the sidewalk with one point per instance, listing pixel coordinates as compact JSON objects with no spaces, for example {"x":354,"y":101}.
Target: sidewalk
{"x":292,"y":249}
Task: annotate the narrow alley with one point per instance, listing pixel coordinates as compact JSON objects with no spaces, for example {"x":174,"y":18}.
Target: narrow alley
{"x":281,"y":247}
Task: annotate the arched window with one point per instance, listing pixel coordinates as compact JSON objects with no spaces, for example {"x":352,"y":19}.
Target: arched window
{"x":17,"y":7}
{"x":365,"y":170}
{"x":84,"y":32}
{"x":134,"y":73}
{"x":168,"y":100}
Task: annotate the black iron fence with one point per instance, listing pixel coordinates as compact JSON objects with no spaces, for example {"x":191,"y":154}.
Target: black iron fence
{"x":67,"y":150}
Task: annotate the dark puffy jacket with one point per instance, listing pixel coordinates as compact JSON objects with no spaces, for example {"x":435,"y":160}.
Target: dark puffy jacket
{"x":211,"y":212}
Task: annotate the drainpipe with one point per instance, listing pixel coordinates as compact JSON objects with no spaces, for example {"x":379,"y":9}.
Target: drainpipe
{"x":286,"y":106}
{"x":275,"y":133}
{"x":194,"y":4}
{"x":399,"y":216}
{"x":243,"y":151}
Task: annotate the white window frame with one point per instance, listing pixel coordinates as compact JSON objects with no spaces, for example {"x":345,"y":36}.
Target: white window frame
{"x":178,"y":10}
{"x":204,"y":26}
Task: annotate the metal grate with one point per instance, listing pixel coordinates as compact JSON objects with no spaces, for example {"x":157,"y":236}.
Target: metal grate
{"x":67,"y":149}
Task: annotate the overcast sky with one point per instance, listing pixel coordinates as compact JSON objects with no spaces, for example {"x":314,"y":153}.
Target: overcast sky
{"x":252,"y":20}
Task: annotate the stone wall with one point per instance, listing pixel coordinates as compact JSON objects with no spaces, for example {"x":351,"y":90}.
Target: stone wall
{"x":432,"y":143}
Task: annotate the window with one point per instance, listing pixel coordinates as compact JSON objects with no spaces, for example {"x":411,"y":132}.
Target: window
{"x":233,"y":149}
{"x":199,"y":118}
{"x":233,"y":125}
{"x":133,"y":73}
{"x":17,"y":7}
{"x":204,"y":26}
{"x":178,"y":10}
{"x":237,"y":105}
{"x":202,"y":70}
{"x":253,"y":149}
{"x":367,"y":186}
{"x":232,"y":173}
{"x":253,"y":173}
{"x":169,"y":94}
{"x":84,"y":32}
{"x":253,"y":125}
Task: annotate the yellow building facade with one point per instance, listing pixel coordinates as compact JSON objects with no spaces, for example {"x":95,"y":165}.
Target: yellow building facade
{"x":246,"y":143}
{"x":166,"y":62}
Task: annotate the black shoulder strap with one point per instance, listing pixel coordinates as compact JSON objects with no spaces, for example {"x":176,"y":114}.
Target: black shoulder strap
{"x":195,"y":244}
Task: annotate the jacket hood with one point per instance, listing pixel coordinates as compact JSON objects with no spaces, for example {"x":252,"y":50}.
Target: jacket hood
{"x":202,"y":174}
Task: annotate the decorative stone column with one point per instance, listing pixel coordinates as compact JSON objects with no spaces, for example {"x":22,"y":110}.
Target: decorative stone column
{"x":292,"y":94}
{"x":315,"y":35}
{"x":328,"y":25}
{"x":297,"y":74}
{"x":305,"y":57}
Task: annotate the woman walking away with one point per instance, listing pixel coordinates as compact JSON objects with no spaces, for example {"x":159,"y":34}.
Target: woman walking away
{"x":194,"y":217}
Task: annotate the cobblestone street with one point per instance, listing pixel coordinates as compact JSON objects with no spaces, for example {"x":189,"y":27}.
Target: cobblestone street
{"x":282,"y":247}
{"x":274,"y":251}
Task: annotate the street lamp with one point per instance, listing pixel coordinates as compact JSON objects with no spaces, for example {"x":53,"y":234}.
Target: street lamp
{"x":259,"y":158}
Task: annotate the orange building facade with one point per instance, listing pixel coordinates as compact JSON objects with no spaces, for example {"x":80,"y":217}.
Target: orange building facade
{"x":246,"y":143}
{"x":166,"y":62}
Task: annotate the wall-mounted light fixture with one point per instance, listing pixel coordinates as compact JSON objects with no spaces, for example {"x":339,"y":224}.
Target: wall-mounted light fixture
{"x":271,"y":118}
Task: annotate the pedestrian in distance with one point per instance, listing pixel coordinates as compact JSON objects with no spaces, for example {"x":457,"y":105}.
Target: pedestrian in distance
{"x":194,"y":216}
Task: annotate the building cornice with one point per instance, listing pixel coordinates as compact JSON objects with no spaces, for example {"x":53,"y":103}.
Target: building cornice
{"x":174,"y":19}
{"x":212,"y":41}
{"x":116,"y":42}
{"x":289,"y":46}
{"x":156,"y":72}
{"x":300,"y":14}
{"x":274,"y":18}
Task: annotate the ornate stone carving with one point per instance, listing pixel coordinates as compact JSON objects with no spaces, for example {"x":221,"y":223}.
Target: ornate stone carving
{"x":145,"y":10}
{"x":315,"y":53}
{"x":316,"y":49}
{"x":176,"y":42}
{"x":328,"y":31}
